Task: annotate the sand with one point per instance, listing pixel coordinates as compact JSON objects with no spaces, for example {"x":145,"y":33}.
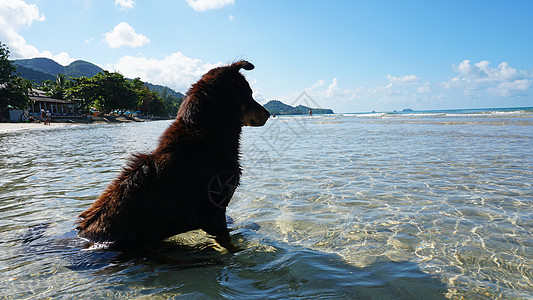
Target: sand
{"x":10,"y":127}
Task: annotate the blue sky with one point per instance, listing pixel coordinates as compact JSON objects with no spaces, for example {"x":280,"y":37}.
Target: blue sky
{"x":351,"y":56}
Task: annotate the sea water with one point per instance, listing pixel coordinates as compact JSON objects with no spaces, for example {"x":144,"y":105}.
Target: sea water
{"x":418,"y":205}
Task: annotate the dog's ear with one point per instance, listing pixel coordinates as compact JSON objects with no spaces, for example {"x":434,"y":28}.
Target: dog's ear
{"x":242,"y":64}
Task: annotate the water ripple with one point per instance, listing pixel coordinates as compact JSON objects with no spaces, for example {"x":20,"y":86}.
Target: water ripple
{"x":347,"y":207}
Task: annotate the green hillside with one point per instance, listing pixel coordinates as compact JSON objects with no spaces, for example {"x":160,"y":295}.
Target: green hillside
{"x":41,"y":69}
{"x":33,"y":75}
{"x":161,"y":90}
{"x":279,"y":108}
{"x":76,"y":69}
{"x":81,"y":68}
{"x":41,"y":64}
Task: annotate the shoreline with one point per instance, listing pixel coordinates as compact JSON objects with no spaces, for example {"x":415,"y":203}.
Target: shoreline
{"x":12,"y":127}
{"x":57,"y":123}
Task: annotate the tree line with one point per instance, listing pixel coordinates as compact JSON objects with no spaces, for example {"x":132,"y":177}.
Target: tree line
{"x":14,"y":91}
{"x":106,"y":92}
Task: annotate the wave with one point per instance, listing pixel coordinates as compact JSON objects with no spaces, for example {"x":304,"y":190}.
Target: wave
{"x":521,"y":112}
{"x":490,"y":112}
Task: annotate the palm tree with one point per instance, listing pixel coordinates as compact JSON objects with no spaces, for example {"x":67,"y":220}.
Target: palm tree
{"x":60,"y":86}
{"x":57,"y":88}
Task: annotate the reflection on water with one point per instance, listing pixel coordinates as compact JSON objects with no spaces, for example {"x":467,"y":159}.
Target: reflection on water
{"x":370,"y":207}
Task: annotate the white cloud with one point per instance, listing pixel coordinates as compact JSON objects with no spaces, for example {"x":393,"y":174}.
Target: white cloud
{"x":176,"y":70}
{"x":510,"y":88}
{"x":521,"y":85}
{"x":424,"y":89}
{"x":466,"y":69}
{"x":483,"y":73}
{"x":124,"y":35}
{"x":62,"y":58}
{"x":473,"y":85}
{"x":203,"y":5}
{"x":503,"y":80}
{"x":394,"y":93}
{"x":332,"y":93}
{"x":15,"y":15}
{"x":231,"y":18}
{"x":407,"y":79}
{"x":125,"y":4}
{"x":319,"y":83}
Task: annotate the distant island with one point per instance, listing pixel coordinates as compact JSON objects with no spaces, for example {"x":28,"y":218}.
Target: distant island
{"x":279,"y":108}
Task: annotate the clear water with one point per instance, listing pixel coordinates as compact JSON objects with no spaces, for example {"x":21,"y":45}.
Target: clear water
{"x":428,"y":205}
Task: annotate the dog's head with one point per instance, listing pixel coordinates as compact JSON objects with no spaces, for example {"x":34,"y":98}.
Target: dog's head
{"x":224,"y":95}
{"x":252,"y":113}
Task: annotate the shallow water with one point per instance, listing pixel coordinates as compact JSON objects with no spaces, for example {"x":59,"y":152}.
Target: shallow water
{"x":380,"y":206}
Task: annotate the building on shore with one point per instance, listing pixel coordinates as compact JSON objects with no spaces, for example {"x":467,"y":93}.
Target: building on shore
{"x":57,"y":107}
{"x":40,"y":101}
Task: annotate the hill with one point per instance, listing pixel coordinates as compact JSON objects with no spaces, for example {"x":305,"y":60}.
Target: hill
{"x":78,"y":68}
{"x":161,"y":90}
{"x":42,"y":69}
{"x":34,"y":75}
{"x":41,"y":64}
{"x":279,"y":108}
{"x":81,"y":68}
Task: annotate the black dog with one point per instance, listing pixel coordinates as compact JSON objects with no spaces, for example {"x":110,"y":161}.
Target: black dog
{"x":187,"y":182}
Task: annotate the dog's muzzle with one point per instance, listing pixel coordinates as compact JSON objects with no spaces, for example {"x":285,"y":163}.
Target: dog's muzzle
{"x":255,"y":115}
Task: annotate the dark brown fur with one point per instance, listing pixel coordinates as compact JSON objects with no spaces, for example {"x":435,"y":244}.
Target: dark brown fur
{"x":168,"y":191}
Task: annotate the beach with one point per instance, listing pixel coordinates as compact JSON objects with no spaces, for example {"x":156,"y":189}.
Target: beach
{"x":10,"y":127}
{"x":73,"y":121}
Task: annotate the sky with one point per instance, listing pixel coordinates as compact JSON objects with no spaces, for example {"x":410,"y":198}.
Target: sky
{"x":350,"y":56}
